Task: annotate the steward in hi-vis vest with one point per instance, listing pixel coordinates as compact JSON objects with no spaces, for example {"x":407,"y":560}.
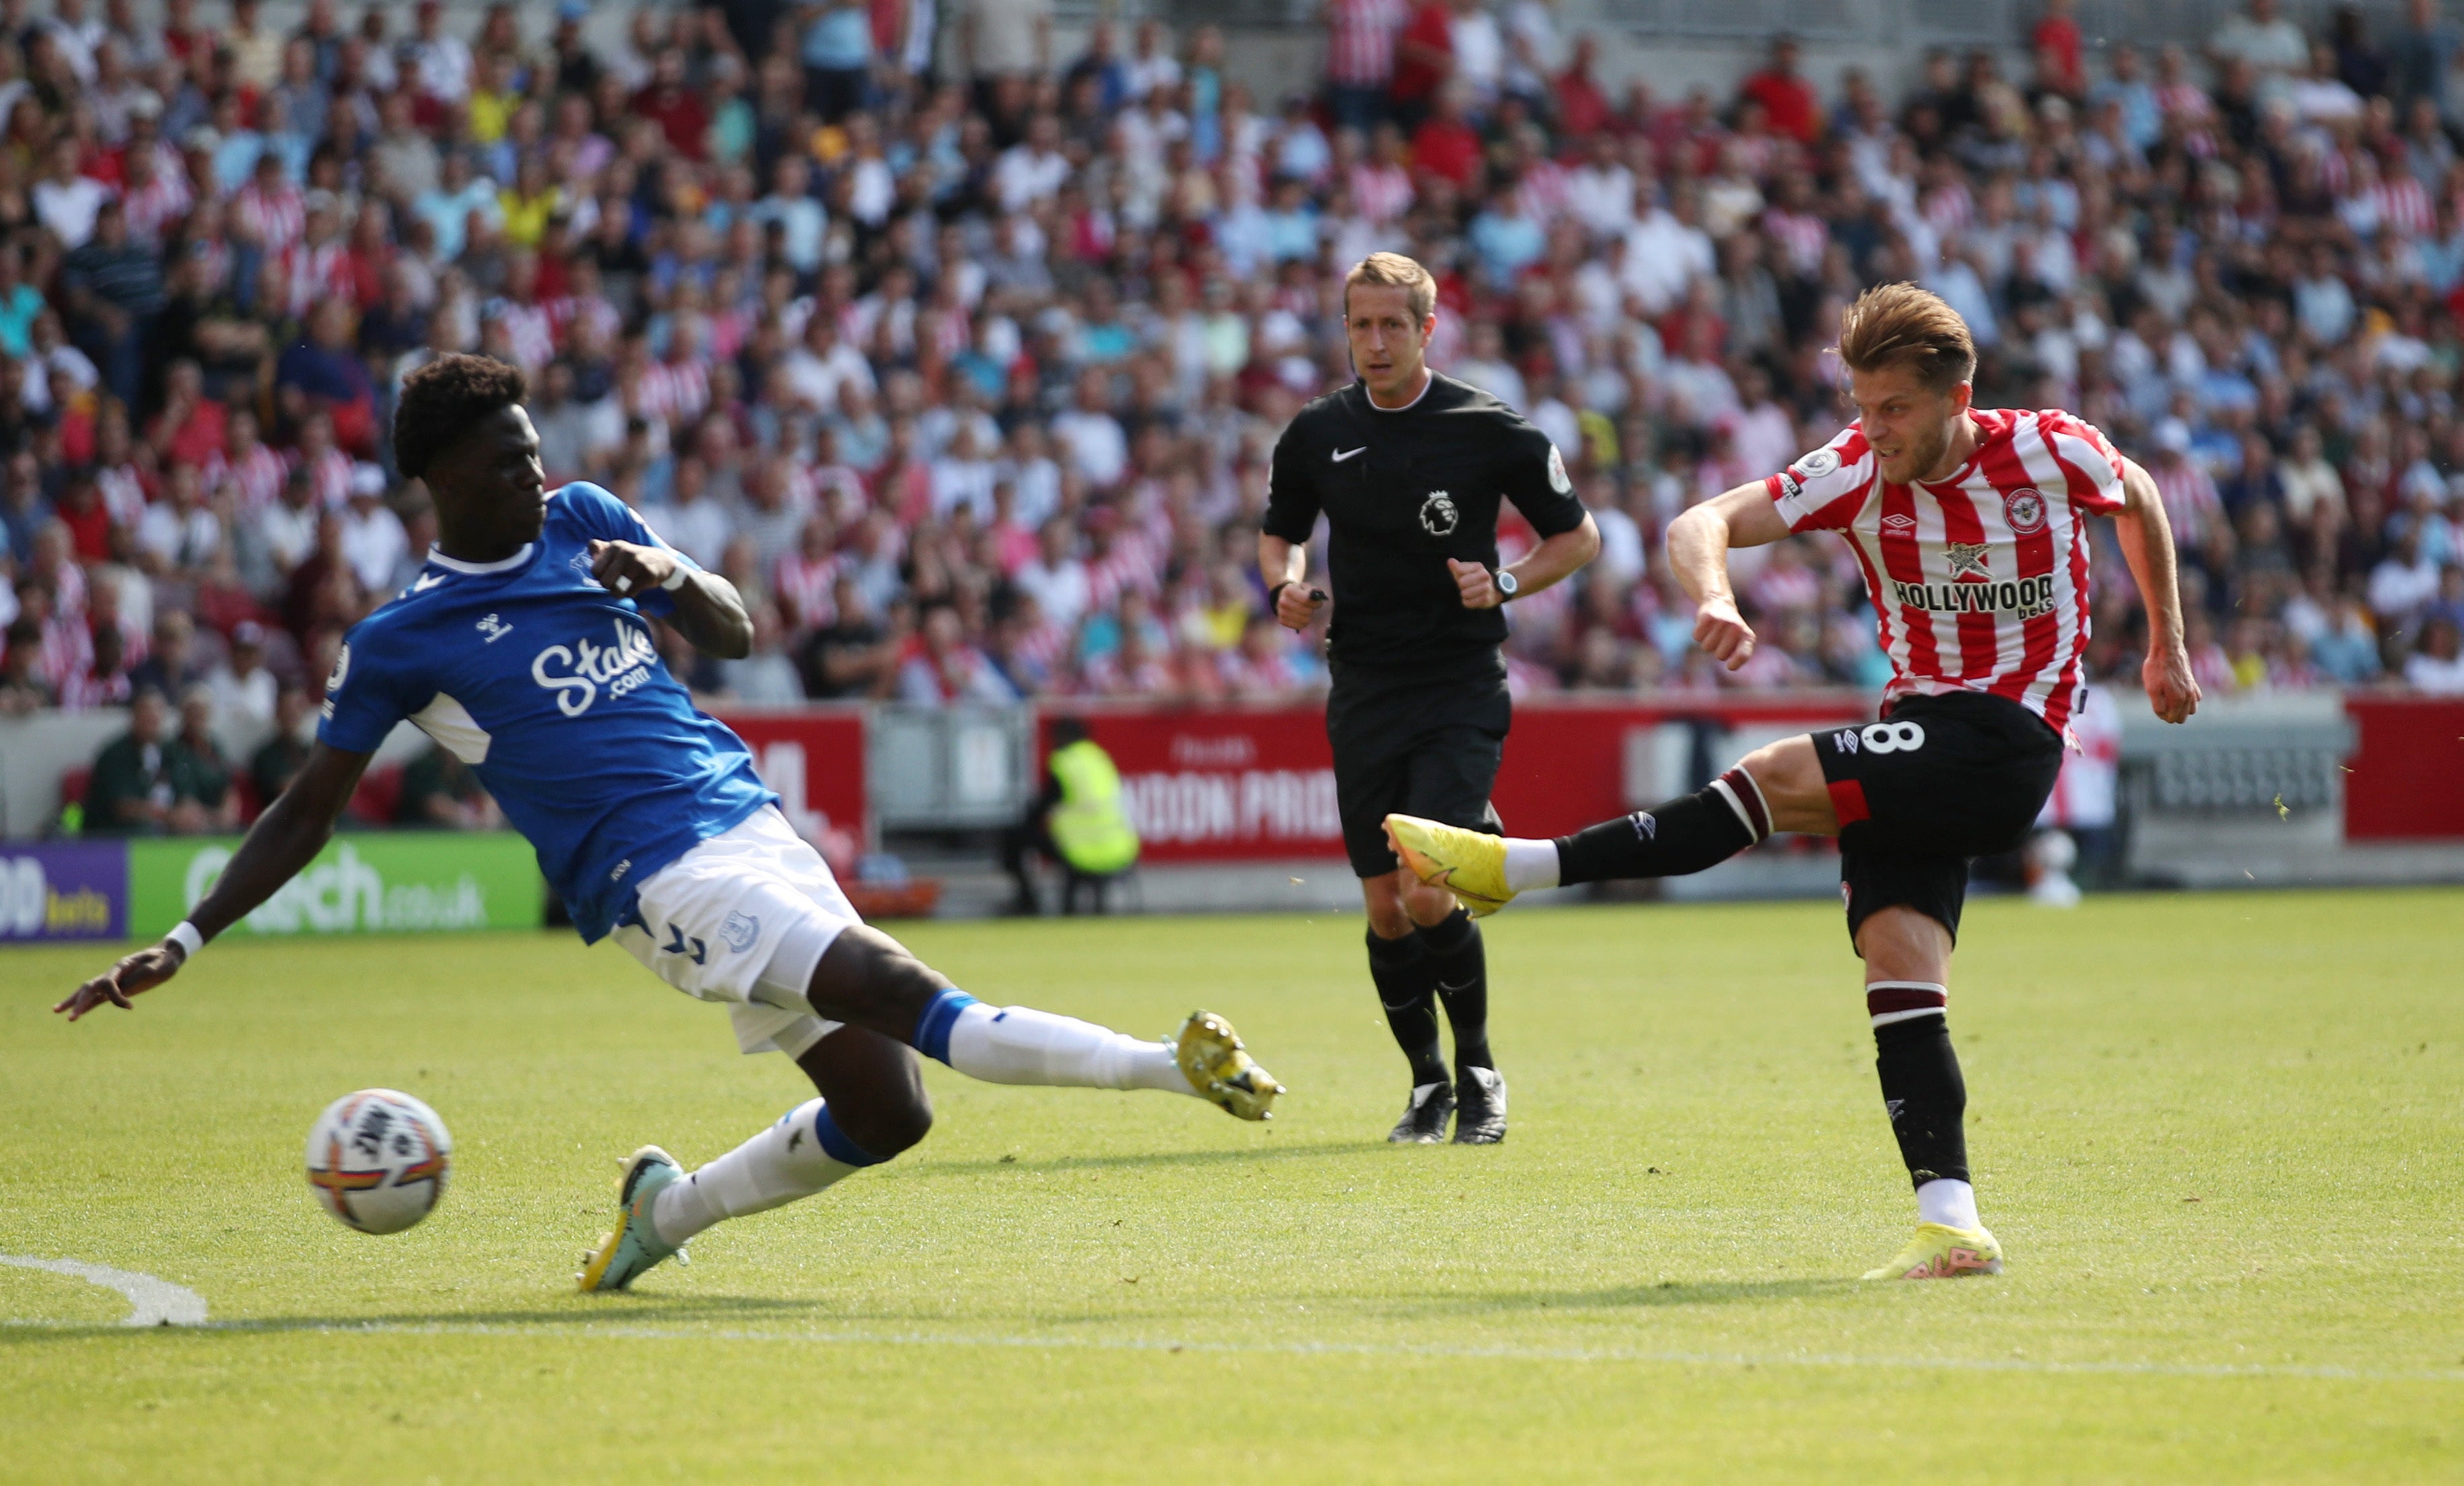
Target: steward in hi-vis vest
{"x":1090,"y":831}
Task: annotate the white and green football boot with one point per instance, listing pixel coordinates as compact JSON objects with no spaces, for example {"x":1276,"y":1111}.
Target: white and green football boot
{"x":634,"y":1248}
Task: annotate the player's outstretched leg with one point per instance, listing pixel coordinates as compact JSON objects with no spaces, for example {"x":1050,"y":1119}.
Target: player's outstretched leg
{"x":1924,"y":1095}
{"x":872,"y":1107}
{"x":1684,"y":836}
{"x":866,"y":978}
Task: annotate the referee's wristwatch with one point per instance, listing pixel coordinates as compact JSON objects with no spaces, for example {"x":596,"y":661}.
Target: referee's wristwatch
{"x":1507,"y":586}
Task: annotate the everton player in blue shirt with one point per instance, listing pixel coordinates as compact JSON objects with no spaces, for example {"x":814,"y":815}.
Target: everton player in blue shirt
{"x":522,"y":648}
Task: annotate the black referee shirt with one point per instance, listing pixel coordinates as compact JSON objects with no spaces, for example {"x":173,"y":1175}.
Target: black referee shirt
{"x":1404,"y":490}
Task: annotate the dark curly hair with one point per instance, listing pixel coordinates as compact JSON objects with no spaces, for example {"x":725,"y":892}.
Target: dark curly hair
{"x":442,"y":400}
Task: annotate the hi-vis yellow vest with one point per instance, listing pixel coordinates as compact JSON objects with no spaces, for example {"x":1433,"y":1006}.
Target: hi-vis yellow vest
{"x":1089,"y":826}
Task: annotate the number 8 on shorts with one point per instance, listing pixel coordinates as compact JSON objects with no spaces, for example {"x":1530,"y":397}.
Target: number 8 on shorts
{"x":1892,"y":737}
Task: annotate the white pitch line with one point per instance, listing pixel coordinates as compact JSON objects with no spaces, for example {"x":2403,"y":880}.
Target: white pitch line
{"x":154,"y":1302}
{"x":1500,"y":1353}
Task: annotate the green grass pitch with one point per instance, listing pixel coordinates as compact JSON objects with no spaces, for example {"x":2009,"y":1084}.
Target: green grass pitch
{"x":2221,"y":1139}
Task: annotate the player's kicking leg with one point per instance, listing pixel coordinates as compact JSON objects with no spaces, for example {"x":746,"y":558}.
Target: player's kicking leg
{"x":1914,"y":816}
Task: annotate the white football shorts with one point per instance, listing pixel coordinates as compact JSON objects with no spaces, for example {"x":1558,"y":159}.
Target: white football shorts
{"x":743,"y":918}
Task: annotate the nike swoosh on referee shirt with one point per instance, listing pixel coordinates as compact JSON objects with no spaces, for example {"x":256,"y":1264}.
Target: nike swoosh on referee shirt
{"x":1342,"y":455}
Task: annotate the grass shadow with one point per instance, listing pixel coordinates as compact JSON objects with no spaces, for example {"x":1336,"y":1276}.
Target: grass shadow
{"x":916,"y":1170}
{"x":576,"y":1312}
{"x":1622,"y":1298}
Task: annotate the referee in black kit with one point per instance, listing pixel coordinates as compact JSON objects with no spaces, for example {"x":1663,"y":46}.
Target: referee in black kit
{"x":1409,"y":467}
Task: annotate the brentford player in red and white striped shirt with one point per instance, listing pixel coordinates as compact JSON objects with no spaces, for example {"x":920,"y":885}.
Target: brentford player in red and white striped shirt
{"x":1978,"y":581}
{"x":1971,"y":528}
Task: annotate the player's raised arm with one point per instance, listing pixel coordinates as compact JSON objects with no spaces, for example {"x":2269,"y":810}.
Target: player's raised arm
{"x":2147,"y":547}
{"x":1699,"y":541}
{"x":709,"y":611}
{"x":293,"y":829}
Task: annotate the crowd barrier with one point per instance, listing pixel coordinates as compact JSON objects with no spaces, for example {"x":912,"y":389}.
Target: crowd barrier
{"x":1231,"y":784}
{"x":1258,"y":782}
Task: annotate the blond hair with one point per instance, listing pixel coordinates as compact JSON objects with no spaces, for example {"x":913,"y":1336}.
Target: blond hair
{"x":1903,"y":325}
{"x":1394,"y":270}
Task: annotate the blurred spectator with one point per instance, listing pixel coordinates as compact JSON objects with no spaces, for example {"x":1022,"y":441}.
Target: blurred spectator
{"x":439,"y":792}
{"x":2437,"y":667}
{"x":145,"y":782}
{"x":212,"y":771}
{"x":284,"y":753}
{"x":245,"y":693}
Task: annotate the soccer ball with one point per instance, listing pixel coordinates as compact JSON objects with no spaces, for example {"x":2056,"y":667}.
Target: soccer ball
{"x":378,"y":1160}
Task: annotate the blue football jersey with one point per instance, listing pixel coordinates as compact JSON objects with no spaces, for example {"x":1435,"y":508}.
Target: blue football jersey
{"x":551,"y":689}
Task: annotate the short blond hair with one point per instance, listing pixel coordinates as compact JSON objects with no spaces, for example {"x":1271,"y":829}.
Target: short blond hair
{"x":1395,"y":271}
{"x":1903,"y":325}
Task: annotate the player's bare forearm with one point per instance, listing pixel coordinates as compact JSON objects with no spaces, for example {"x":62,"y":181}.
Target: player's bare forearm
{"x":1700,"y":537}
{"x":709,"y":611}
{"x":286,"y":838}
{"x":711,"y":614}
{"x":293,"y":829}
{"x":1699,"y":541}
{"x":2146,"y":535}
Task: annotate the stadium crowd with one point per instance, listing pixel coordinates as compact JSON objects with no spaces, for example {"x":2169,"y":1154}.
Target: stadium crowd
{"x":963,"y":359}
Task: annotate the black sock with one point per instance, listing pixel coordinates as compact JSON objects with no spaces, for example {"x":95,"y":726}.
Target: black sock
{"x":1686,"y":834}
{"x":1926,"y":1096}
{"x":1401,"y":968}
{"x":1459,"y":969}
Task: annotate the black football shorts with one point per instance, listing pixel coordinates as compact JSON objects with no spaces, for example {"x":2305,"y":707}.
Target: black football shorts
{"x":1938,"y":782}
{"x":1413,"y":745}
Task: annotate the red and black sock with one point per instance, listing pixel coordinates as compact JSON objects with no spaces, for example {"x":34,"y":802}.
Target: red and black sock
{"x":1922,"y":1088}
{"x":1685,"y":835}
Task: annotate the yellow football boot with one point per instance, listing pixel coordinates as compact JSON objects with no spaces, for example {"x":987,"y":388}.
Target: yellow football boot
{"x":1221,"y":1070}
{"x":1469,"y":864}
{"x":1941,"y":1253}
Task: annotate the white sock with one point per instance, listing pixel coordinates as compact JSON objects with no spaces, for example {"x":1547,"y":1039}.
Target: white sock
{"x":1022,"y":1045}
{"x":1948,"y":1202}
{"x":770,"y":1170}
{"x":1530,"y":864}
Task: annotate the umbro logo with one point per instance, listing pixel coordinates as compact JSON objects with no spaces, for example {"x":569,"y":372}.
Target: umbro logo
{"x":493,"y":629}
{"x":1342,"y":455}
{"x":1898,"y":523}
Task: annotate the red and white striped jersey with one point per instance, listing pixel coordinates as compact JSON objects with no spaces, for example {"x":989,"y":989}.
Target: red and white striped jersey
{"x":1978,"y":583}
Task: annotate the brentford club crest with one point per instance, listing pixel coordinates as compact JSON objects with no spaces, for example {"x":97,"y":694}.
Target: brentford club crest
{"x":2025,"y":510}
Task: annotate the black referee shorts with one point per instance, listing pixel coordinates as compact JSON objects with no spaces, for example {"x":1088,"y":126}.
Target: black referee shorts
{"x":1938,"y":782}
{"x":1413,"y":745}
